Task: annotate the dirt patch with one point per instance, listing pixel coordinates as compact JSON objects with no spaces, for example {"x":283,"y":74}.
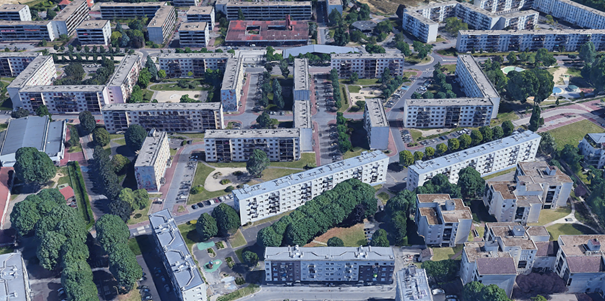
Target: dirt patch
{"x":227,"y":177}
{"x":352,"y":236}
{"x":388,"y":7}
{"x":560,"y":75}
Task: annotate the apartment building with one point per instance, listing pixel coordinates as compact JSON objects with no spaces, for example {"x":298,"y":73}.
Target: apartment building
{"x":40,"y":72}
{"x":32,"y":131}
{"x":333,"y":5}
{"x":290,"y":192}
{"x":201,"y":14}
{"x":302,"y":85}
{"x":474,"y":82}
{"x":238,"y":145}
{"x":233,"y":82}
{"x":572,"y":12}
{"x":152,"y":161}
{"x":360,"y":265}
{"x":302,"y":120}
{"x":166,"y":117}
{"x":579,"y":262}
{"x":123,"y":10}
{"x":183,"y":272}
{"x":441,"y":220}
{"x":162,"y":25}
{"x":529,"y":40}
{"x":521,"y":20}
{"x":447,"y":112}
{"x":15,"y":278}
{"x":592,"y":148}
{"x":97,"y":32}
{"x":63,"y":99}
{"x":367,"y":65}
{"x":180,"y":64}
{"x":265,"y":11}
{"x":496,"y":6}
{"x":194,"y":34}
{"x":69,"y":18}
{"x":27,"y":31}
{"x":486,"y":158}
{"x":15,"y":12}
{"x":12,"y":63}
{"x":123,"y":80}
{"x":508,"y":250}
{"x":425,"y":29}
{"x":185,"y":3}
{"x":376,"y":124}
{"x":412,"y":285}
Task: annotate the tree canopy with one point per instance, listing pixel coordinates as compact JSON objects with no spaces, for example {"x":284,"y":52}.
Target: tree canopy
{"x":257,"y":163}
{"x":206,"y":227}
{"x":471,"y":183}
{"x":453,"y":25}
{"x":226,"y":217}
{"x":135,"y":136}
{"x":480,"y":292}
{"x":33,"y":166}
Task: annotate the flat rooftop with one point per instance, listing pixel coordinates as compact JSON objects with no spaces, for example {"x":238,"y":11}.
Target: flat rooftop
{"x":176,"y":56}
{"x":520,"y":13}
{"x":575,"y":245}
{"x":367,"y":56}
{"x":30,"y":71}
{"x":161,"y":106}
{"x":200,"y":10}
{"x":121,"y":72}
{"x":193,"y":26}
{"x":93,"y":24}
{"x":440,"y":213}
{"x":63,"y":89}
{"x":24,"y":23}
{"x":301,"y":74}
{"x":334,"y":2}
{"x":126,"y":4}
{"x":448,"y":160}
{"x":329,"y":253}
{"x":251,"y":134}
{"x":5,"y":8}
{"x":413,"y":284}
{"x":33,"y":131}
{"x":150,"y":149}
{"x":422,"y":19}
{"x":70,"y":9}
{"x":375,"y":111}
{"x":241,"y":30}
{"x":233,"y":68}
{"x":20,"y":54}
{"x":435,"y":5}
{"x":485,"y":85}
{"x":538,"y":172}
{"x":12,"y":278}
{"x":161,"y":15}
{"x":268,"y":3}
{"x":302,"y":114}
{"x":440,"y":102}
{"x":305,"y":176}
{"x":541,"y":32}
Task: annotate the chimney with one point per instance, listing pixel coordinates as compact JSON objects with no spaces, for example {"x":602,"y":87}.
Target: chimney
{"x":288,"y":23}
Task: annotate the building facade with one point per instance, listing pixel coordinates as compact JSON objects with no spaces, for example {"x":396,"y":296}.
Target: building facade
{"x":592,"y":148}
{"x":186,"y":3}
{"x":180,"y":64}
{"x":376,"y":124}
{"x":40,"y":72}
{"x":301,"y":111}
{"x":15,"y":278}
{"x":233,"y":82}
{"x":12,"y":63}
{"x":201,"y":14}
{"x":63,"y":99}
{"x":367,"y":65}
{"x":32,"y":131}
{"x":360,"y":265}
{"x":123,"y":10}
{"x":290,"y":192}
{"x":412,"y":285}
{"x":123,"y":80}
{"x":579,"y":262}
{"x":302,"y":86}
{"x":194,"y":34}
{"x":69,"y":18}
{"x":265,"y":11}
{"x":27,"y":30}
{"x":162,"y":25}
{"x":425,"y":29}
{"x":15,"y":12}
{"x":152,"y":161}
{"x":475,"y":83}
{"x":94,"y":32}
{"x":166,"y":117}
{"x":441,"y":220}
{"x":572,"y":12}
{"x":496,"y":6}
{"x":486,"y":158}
{"x":281,"y":145}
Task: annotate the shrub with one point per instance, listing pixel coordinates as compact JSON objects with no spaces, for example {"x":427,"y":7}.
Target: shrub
{"x":197,"y":189}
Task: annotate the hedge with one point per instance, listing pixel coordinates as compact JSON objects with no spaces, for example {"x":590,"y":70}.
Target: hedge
{"x":77,"y":181}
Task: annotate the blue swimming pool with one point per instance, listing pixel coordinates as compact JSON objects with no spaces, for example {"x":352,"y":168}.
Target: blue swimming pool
{"x":556,"y":90}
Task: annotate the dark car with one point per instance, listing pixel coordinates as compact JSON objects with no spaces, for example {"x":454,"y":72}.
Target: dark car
{"x":194,"y":206}
{"x":200,"y":204}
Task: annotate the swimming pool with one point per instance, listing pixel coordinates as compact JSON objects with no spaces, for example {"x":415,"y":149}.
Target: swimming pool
{"x":556,"y":90}
{"x":508,"y":69}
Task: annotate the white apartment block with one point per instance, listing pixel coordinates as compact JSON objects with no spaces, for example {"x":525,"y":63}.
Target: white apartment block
{"x":412,"y":285}
{"x":290,"y":192}
{"x":15,"y":12}
{"x":302,"y":121}
{"x":529,"y":40}
{"x":69,"y":18}
{"x":592,"y":148}
{"x":302,"y":85}
{"x":185,"y":3}
{"x":265,"y":11}
{"x":183,"y":272}
{"x":572,"y":12}
{"x":376,"y":124}
{"x":367,"y":65}
{"x":521,"y":20}
{"x":12,"y":63}
{"x":486,"y":158}
{"x":97,"y":32}
{"x":27,"y":30}
{"x":162,"y":25}
{"x":124,"y":79}
{"x":123,"y":10}
{"x":201,"y":14}
{"x":63,"y":99}
{"x":194,"y":34}
{"x":441,"y":220}
{"x":359,"y":265}
{"x":152,"y":160}
{"x":426,"y":30}
{"x":496,"y":6}
{"x":474,"y":82}
{"x":333,"y":5}
{"x":166,"y":117}
{"x":536,"y":186}
{"x":579,"y":262}
{"x":180,"y":64}
{"x":15,"y":278}
{"x":40,"y":72}
{"x":238,"y":145}
{"x":233,"y":83}
{"x":508,"y":250}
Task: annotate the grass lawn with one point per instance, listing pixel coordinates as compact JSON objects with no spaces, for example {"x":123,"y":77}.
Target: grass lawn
{"x":192,"y":135}
{"x":65,"y":178}
{"x":352,"y":236}
{"x":219,"y":41}
{"x":115,"y":136}
{"x":415,"y":134}
{"x":573,"y":133}
{"x":237,"y":240}
{"x":240,"y":293}
{"x":448,"y":52}
{"x":354,"y":153}
{"x":134,"y":246}
{"x":173,"y":87}
{"x":502,"y":117}
{"x":384,"y":197}
{"x":354,"y":89}
{"x":567,"y":229}
{"x":499,"y":173}
{"x":274,"y":173}
{"x":445,"y":253}
{"x":6,"y":250}
{"x":451,"y":68}
{"x":267,"y":220}
{"x":367,"y":81}
{"x":133,"y":295}
{"x":414,"y":59}
{"x":139,"y":216}
{"x":547,"y":215}
{"x":201,"y":174}
{"x":120,"y":141}
{"x":305,"y":159}
{"x":147,"y":95}
{"x":189,"y":234}
{"x":574,"y":72}
{"x":173,"y":152}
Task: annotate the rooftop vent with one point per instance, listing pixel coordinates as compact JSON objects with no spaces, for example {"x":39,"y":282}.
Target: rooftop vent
{"x":450,"y":205}
{"x":593,"y":245}
{"x":518,"y":230}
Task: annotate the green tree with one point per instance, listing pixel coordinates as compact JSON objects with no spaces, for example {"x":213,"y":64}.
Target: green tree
{"x":151,"y":68}
{"x":124,"y":267}
{"x":465,"y":141}
{"x":418,"y":155}
{"x":429,"y":152}
{"x":49,"y":248}
{"x":379,"y":239}
{"x":335,"y":242}
{"x":497,"y":132}
{"x":353,"y":78}
{"x":470,"y":182}
{"x":453,"y":25}
{"x":521,"y":85}
{"x":403,"y":47}
{"x":487,"y":133}
{"x":141,"y":199}
{"x":87,"y":122}
{"x":334,"y":18}
{"x":588,"y":52}
{"x":508,"y":128}
{"x":442,"y":271}
{"x":75,"y":71}
{"x":480,"y":292}
{"x":226,"y":218}
{"x":161,"y":74}
{"x":476,"y":137}
{"x":100,"y":136}
{"x":268,"y":238}
{"x":24,"y":216}
{"x":77,"y":280}
{"x":144,"y":78}
{"x":119,"y":162}
{"x":535,"y":121}
{"x":545,"y":57}
{"x":548,"y":146}
{"x":111,"y":231}
{"x":441,"y":149}
{"x":19,"y":113}
{"x":265,"y":121}
{"x":283,"y":67}
{"x":257,"y":163}
{"x":33,"y":166}
{"x":453,"y":144}
{"x":43,"y":111}
{"x":250,"y":258}
{"x":570,"y":155}
{"x":73,"y":250}
{"x":135,"y":136}
{"x":240,"y":15}
{"x":539,"y":298}
{"x":206,"y":227}
{"x":406,"y":158}
{"x":511,"y":57}
{"x":341,"y":37}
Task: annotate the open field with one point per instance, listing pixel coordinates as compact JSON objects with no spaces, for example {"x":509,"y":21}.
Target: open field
{"x":445,"y":253}
{"x":574,"y":133}
{"x":352,"y":236}
{"x":547,"y":216}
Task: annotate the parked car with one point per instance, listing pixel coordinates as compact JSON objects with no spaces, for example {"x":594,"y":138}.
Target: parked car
{"x":194,"y":206}
{"x":200,"y":204}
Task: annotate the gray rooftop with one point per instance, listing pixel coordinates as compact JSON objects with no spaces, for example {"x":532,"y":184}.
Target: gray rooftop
{"x":24,"y":23}
{"x":20,"y":54}
{"x":520,"y":13}
{"x":597,"y":137}
{"x":334,"y":2}
{"x":367,"y":56}
{"x":63,"y":89}
{"x":485,"y":85}
{"x":375,"y":111}
{"x":329,"y":253}
{"x":317,"y":49}
{"x":421,"y":18}
{"x":121,"y":72}
{"x":251,"y":134}
{"x":473,"y":152}
{"x":11,"y":7}
{"x":29,"y":71}
{"x":438,"y":102}
{"x":161,"y":15}
{"x":125,"y":4}
{"x":193,"y":26}
{"x":93,"y":24}
{"x":69,"y":10}
{"x":583,"y":7}
{"x":33,"y":131}
{"x":12,"y":278}
{"x":435,"y":5}
{"x":176,"y":56}
{"x":176,"y":253}
{"x":301,"y":74}
{"x":302,"y":114}
{"x":200,"y":10}
{"x":301,"y":177}
{"x":541,"y":32}
{"x":268,"y":3}
{"x":150,"y":149}
{"x":413,"y":284}
{"x":161,"y":106}
{"x":233,"y":68}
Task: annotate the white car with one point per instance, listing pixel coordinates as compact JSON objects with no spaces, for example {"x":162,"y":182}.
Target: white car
{"x":438,"y":291}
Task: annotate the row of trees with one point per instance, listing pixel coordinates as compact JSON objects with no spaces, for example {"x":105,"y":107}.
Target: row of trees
{"x":315,"y":217}
{"x":445,"y":89}
{"x":223,"y":220}
{"x":389,"y":84}
{"x":344,"y":139}
{"x":336,"y":88}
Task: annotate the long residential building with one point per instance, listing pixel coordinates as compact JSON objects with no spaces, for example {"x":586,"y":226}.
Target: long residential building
{"x":162,"y":25}
{"x":183,"y":272}
{"x":290,"y":192}
{"x":496,"y":6}
{"x":592,"y":147}
{"x":486,"y":158}
{"x":15,"y":278}
{"x":572,"y":12}
{"x":167,"y":117}
{"x":15,"y":12}
{"x":27,"y":30}
{"x":180,"y":64}
{"x":232,"y":86}
{"x":442,"y":221}
{"x":301,"y":110}
{"x":412,"y":285}
{"x":359,"y":265}
{"x":201,"y":14}
{"x":367,"y":65}
{"x":151,"y":163}
{"x":185,"y":3}
{"x":302,"y":85}
{"x":63,"y":99}
{"x":123,"y":80}
{"x":69,"y":18}
{"x":97,"y":32}
{"x":529,"y":40}
{"x":238,"y":145}
{"x":265,"y":11}
{"x":123,"y":10}
{"x":475,"y":83}
{"x":40,"y":72}
{"x":12,"y":63}
{"x":376,"y":124}
{"x":194,"y":34}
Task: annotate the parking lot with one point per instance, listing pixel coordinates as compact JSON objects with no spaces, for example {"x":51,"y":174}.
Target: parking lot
{"x":407,"y":137}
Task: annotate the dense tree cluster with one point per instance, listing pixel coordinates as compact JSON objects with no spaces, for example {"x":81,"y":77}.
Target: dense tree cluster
{"x":265,"y":89}
{"x":87,"y":122}
{"x":453,"y":25}
{"x":535,"y":82}
{"x":493,"y":70}
{"x":402,"y":45}
{"x":442,"y":271}
{"x":318,"y":215}
{"x":375,"y":48}
{"x":135,"y":136}
{"x":398,"y":209}
{"x":206,"y":227}
{"x":336,"y":88}
{"x":75,"y":73}
{"x":344,"y":139}
{"x":257,"y":163}
{"x":33,"y":166}
{"x":265,"y":121}
{"x":439,"y":184}
{"x":594,"y":73}
{"x":480,"y":292}
{"x":227,"y":219}
{"x":422,"y":49}
{"x":389,"y":83}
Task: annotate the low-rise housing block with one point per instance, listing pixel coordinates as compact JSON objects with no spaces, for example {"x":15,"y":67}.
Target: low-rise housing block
{"x":238,"y":145}
{"x":441,"y":220}
{"x":367,"y":65}
{"x":152,"y":161}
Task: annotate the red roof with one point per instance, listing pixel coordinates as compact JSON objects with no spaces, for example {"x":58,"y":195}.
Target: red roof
{"x":67,"y":192}
{"x":242,"y":30}
{"x":64,"y":2}
{"x":4,"y":192}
